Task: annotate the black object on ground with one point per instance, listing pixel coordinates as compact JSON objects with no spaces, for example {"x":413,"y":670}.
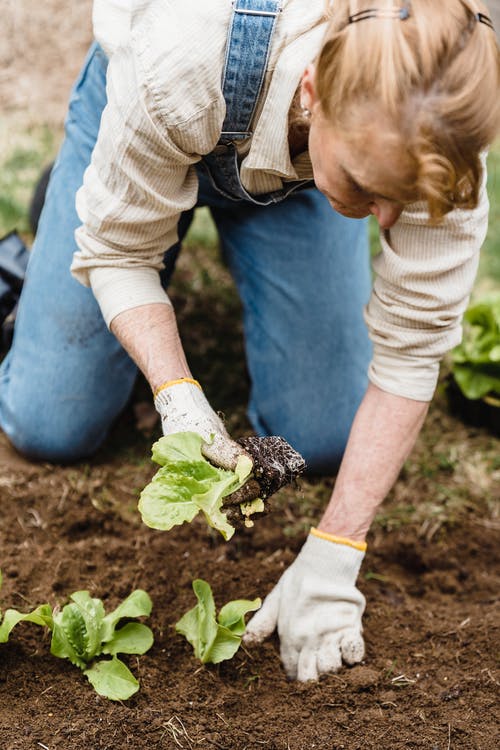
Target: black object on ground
{"x":482,"y":412}
{"x":14,"y":257}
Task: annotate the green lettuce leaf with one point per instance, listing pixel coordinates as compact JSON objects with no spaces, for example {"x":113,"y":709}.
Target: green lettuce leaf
{"x":132,"y":638}
{"x":137,"y":604}
{"x":187,"y":484}
{"x":476,"y":361}
{"x":112,"y":679}
{"x":81,"y":631}
{"x":183,"y":446}
{"x":214,"y":639}
{"x":76,"y":633}
{"x":476,"y":382}
{"x":42,"y":615}
{"x":232,"y":614}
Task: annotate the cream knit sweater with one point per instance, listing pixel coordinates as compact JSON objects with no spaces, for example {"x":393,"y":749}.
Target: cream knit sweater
{"x":165,"y":110}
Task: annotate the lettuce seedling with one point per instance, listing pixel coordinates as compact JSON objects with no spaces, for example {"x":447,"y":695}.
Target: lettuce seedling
{"x":187,"y":484}
{"x":476,"y":361}
{"x":215,"y":639}
{"x":42,"y":615}
{"x":82,"y":631}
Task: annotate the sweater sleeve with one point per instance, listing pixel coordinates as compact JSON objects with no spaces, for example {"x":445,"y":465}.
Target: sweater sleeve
{"x":134,"y":190}
{"x":423,"y":280}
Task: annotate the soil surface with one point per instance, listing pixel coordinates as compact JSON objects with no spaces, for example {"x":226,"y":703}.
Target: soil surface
{"x":430,"y":678}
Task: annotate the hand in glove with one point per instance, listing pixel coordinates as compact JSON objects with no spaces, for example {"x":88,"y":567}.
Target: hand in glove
{"x":316,"y":608}
{"x":183,"y":407}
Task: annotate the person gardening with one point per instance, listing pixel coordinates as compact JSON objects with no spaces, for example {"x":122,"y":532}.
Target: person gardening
{"x":293,"y":122}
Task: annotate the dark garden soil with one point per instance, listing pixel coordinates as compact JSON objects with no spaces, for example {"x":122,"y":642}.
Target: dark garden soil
{"x":430,"y":676}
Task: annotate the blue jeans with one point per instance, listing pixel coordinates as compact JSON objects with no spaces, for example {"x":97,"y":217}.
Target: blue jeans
{"x":303,"y":275}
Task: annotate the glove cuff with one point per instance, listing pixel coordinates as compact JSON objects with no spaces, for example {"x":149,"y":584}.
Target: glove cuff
{"x":177,"y":381}
{"x":361,"y":546}
{"x":332,"y":560}
{"x":183,"y":407}
{"x":177,"y":398}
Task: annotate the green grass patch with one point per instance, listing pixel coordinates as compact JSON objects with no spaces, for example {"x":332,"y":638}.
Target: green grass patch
{"x":24,"y":152}
{"x":202,"y":230}
{"x":489,"y":267}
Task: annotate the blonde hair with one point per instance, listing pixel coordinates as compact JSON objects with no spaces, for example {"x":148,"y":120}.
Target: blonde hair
{"x":435,"y":77}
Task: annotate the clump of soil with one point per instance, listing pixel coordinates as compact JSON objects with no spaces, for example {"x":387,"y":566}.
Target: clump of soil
{"x":276,"y":463}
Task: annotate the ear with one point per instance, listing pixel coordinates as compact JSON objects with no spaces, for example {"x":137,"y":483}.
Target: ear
{"x":308,"y":96}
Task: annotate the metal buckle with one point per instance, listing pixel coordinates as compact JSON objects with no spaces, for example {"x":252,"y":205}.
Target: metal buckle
{"x":246,"y":12}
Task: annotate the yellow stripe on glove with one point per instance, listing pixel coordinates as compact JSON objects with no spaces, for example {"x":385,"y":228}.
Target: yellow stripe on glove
{"x":361,"y":546}
{"x":168,"y":383}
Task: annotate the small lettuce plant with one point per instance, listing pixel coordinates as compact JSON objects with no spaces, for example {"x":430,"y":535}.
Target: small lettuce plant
{"x":476,"y":361}
{"x":187,"y":484}
{"x":82,"y":632}
{"x":215,"y":638}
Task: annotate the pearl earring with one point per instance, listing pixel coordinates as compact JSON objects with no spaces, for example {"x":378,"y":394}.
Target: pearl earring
{"x":306,"y":112}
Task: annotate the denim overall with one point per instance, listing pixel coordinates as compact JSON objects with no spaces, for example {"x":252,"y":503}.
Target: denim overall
{"x":302,"y":273}
{"x":247,"y":54}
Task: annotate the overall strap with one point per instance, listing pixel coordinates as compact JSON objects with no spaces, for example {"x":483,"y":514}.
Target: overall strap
{"x":247,"y":53}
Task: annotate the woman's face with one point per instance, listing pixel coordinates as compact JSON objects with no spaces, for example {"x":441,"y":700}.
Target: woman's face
{"x":362,"y":174}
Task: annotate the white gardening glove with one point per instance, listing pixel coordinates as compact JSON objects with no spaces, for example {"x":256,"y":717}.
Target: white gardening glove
{"x":183,"y":407}
{"x":316,"y":608}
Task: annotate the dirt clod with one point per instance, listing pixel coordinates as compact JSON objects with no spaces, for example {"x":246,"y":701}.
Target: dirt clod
{"x":276,"y":463}
{"x":361,"y":678}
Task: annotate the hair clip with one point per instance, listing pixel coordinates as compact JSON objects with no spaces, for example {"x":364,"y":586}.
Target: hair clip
{"x":397,"y":13}
{"x":481,"y":18}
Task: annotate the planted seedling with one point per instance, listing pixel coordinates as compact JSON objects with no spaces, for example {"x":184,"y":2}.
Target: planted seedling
{"x":215,"y":639}
{"x":473,"y":386}
{"x":82,"y":632}
{"x":476,"y":361}
{"x":187,"y":484}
